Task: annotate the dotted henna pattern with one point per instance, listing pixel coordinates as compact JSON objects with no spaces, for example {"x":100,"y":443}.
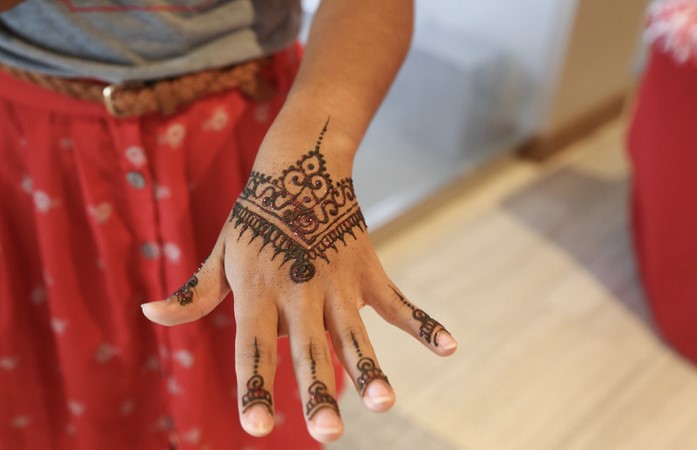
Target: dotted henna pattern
{"x":301,"y":214}
{"x":256,"y":393}
{"x":319,"y":395}
{"x":368,"y":368}
{"x":429,"y":327}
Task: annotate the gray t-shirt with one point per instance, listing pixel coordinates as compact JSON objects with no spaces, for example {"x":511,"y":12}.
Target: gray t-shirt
{"x":120,"y":40}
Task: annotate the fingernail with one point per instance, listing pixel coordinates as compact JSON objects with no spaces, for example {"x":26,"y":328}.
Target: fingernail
{"x":148,"y":309}
{"x":152,"y":312}
{"x":446,"y":341}
{"x":150,"y":305}
{"x":257,"y":421}
{"x":326,"y":422}
{"x":378,"y":393}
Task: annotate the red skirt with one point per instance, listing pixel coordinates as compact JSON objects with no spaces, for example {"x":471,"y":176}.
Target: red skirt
{"x":98,"y":216}
{"x":663,"y":150}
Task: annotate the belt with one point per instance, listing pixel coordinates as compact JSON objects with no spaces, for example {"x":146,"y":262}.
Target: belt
{"x":165,"y":96}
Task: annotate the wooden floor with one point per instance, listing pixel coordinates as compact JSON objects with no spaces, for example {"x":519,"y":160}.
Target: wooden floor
{"x":533,"y":272}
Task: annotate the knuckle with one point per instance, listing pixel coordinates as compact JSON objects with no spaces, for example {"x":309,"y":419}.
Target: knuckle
{"x":355,"y":343}
{"x":254,"y":352}
{"x":399,"y":304}
{"x":315,"y":353}
{"x":352,"y":334}
{"x":300,"y":309}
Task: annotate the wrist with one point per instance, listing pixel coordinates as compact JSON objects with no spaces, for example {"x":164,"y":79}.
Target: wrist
{"x":296,"y":132}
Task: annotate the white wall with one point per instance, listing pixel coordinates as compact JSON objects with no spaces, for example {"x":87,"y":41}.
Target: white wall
{"x":478,"y":80}
{"x":534,"y":32}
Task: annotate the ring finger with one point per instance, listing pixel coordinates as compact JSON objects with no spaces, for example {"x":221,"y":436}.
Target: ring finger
{"x":355,"y":351}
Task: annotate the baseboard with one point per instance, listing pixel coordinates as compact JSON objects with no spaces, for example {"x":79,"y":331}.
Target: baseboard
{"x":460,"y":185}
{"x":540,"y":148}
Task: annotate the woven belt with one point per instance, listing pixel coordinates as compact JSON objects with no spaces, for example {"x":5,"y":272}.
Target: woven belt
{"x":164,"y":96}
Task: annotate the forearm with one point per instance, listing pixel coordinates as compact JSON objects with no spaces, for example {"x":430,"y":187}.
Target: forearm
{"x":353,"y":53}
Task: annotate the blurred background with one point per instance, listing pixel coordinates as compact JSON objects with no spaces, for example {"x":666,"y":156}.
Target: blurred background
{"x":483,"y":78}
{"x":495,"y":182}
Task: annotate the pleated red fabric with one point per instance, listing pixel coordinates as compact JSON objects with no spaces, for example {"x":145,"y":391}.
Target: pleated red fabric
{"x":97,"y":216}
{"x":663,"y":151}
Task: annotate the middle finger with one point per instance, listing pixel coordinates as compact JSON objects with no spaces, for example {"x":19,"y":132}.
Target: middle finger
{"x":314,"y":372}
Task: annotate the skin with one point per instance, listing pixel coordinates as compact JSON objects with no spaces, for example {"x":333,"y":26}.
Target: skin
{"x":353,"y":53}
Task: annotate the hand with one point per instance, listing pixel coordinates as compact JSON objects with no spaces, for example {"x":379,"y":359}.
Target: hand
{"x":297,"y":257}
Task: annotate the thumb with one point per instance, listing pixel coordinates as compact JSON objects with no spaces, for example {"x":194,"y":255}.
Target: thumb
{"x":197,"y":297}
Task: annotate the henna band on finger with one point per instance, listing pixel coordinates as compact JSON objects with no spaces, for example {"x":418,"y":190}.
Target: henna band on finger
{"x":430,"y":327}
{"x":256,"y":394}
{"x":185,"y":294}
{"x":302,"y":213}
{"x":368,"y":368}
{"x":319,"y":395}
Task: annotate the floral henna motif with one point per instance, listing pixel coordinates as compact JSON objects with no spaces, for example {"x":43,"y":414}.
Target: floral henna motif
{"x":368,"y":368}
{"x":429,"y":327}
{"x":302,"y":213}
{"x":185,"y":294}
{"x":256,"y":394}
{"x":319,"y":397}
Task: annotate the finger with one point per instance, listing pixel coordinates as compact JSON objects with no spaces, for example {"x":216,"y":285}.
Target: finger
{"x":355,"y":351}
{"x":394,"y":307}
{"x":255,"y":363}
{"x":197,"y":297}
{"x":315,"y":375}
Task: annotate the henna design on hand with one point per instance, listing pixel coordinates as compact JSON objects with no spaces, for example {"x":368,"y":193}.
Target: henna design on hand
{"x":429,"y":327}
{"x":368,"y":368}
{"x":256,"y":394}
{"x":185,"y":294}
{"x":319,"y":397}
{"x":302,"y":213}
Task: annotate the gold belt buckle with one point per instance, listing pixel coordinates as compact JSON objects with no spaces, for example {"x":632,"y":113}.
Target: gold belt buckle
{"x":108,"y":96}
